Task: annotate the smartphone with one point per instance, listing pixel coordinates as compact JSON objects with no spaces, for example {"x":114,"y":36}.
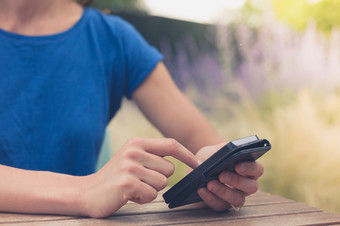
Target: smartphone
{"x":244,"y":149}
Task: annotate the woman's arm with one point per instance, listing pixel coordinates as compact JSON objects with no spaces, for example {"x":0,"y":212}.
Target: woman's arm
{"x":136,"y":173}
{"x":28,"y":191}
{"x":175,"y":116}
{"x":172,"y":113}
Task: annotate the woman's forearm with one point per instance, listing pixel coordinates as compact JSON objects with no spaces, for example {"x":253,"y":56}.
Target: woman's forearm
{"x":136,"y":173}
{"x":172,"y":113}
{"x":44,"y":192}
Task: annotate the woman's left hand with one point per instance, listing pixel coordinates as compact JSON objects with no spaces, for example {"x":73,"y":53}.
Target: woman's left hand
{"x":231,"y":188}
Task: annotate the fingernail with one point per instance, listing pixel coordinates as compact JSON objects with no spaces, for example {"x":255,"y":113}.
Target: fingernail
{"x":236,"y":208}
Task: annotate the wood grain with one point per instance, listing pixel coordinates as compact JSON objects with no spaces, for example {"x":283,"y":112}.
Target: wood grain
{"x":260,"y":209}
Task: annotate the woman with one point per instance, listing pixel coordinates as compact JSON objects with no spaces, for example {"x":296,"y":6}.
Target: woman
{"x":63,"y":73}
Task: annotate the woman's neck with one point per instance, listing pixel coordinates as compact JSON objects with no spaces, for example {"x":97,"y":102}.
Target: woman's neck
{"x":38,"y":17}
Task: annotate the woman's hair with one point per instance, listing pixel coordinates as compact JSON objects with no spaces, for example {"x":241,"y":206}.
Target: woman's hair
{"x":84,"y":2}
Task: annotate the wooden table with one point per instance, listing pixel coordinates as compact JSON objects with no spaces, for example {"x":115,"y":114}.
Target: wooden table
{"x":260,"y":209}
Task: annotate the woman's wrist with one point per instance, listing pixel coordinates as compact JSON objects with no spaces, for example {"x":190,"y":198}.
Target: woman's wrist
{"x":67,"y":196}
{"x":85,"y":196}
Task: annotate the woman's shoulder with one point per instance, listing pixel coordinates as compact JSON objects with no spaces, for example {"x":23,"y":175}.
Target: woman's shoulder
{"x":110,"y":24}
{"x":97,"y":16}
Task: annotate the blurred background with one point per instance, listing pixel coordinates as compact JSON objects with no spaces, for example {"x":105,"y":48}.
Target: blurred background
{"x":265,"y":67}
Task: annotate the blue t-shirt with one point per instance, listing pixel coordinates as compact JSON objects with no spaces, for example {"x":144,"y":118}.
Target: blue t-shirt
{"x":59,"y":92}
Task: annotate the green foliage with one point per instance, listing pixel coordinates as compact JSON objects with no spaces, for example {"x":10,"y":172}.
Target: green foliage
{"x":298,"y":13}
{"x":326,"y":13}
{"x":293,"y":12}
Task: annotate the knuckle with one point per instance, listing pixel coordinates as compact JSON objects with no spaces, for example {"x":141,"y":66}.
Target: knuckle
{"x":208,"y":198}
{"x":130,"y":168}
{"x":133,"y":154}
{"x":228,"y":177}
{"x":172,"y":143}
{"x":171,"y":169}
{"x":127,"y":184}
{"x":133,"y":141}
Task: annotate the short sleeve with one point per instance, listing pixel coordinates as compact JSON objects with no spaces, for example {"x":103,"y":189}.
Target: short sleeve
{"x":140,"y":57}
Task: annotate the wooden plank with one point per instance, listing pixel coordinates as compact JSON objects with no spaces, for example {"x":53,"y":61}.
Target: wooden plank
{"x":197,"y":216}
{"x":161,"y":207}
{"x":6,"y":218}
{"x":315,"y":218}
{"x":260,"y":209}
{"x":131,"y":208}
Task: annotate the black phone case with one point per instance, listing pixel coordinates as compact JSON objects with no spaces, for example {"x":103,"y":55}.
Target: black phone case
{"x":244,"y":149}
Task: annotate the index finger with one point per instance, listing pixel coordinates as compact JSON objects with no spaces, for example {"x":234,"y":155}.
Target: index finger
{"x":169,"y":147}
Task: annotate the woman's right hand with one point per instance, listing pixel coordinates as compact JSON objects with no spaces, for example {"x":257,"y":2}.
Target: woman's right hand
{"x":136,"y":173}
